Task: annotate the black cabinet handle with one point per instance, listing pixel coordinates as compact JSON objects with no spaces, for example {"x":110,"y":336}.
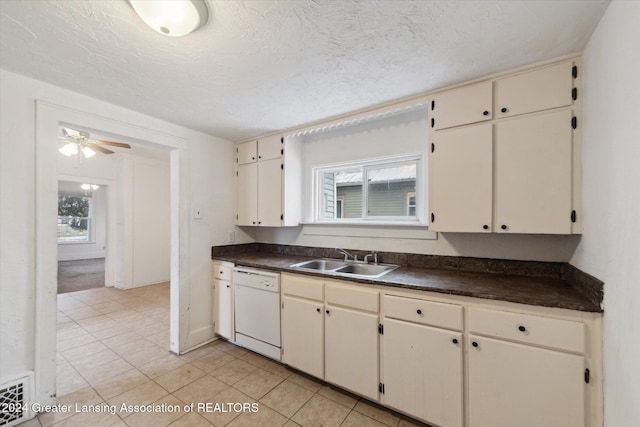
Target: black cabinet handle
{"x":504,"y":110}
{"x":419,"y":311}
{"x":327,"y":311}
{"x":455,"y":341}
{"x":475,"y":344}
{"x":318,"y":310}
{"x":259,"y":157}
{"x":253,"y":222}
{"x":503,"y":226}
{"x":485,"y":113}
{"x":259,"y":222}
{"x":221,"y":272}
{"x":486,"y":227}
{"x":253,"y":158}
{"x":522,"y":328}
{"x":228,"y":286}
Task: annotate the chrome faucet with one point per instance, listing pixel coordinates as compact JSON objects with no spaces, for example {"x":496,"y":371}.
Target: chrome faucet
{"x":347,"y":254}
{"x":374,"y":254}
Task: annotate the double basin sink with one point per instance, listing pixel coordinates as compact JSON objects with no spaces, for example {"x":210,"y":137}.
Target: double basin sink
{"x":345,"y":268}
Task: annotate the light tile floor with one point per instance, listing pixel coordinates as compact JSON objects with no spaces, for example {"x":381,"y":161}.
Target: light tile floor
{"x":113,"y":350}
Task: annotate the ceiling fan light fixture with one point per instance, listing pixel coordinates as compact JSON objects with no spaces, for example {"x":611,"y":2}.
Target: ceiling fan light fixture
{"x":87,"y":187}
{"x":69,"y":149}
{"x":88,"y":152}
{"x":172,"y":18}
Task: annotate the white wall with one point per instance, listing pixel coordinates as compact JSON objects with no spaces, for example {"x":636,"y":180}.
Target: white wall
{"x":406,"y":133}
{"x":142,"y":222}
{"x":610,"y":247}
{"x":95,"y":248}
{"x":209,"y":163}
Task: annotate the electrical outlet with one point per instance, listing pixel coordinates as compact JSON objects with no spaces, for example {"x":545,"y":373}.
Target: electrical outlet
{"x":232,"y":236}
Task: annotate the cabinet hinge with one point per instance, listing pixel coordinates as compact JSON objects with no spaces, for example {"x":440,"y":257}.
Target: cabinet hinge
{"x":574,"y":71}
{"x":282,"y":166}
{"x":433,"y":122}
{"x":283,"y":305}
{"x":282,"y":151}
{"x":381,"y":388}
{"x":574,"y":122}
{"x":236,"y":217}
{"x":282,"y":140}
{"x":573,"y":216}
{"x":433,"y":104}
{"x":587,"y":376}
{"x":433,"y":217}
{"x":574,"y":93}
{"x":433,"y":147}
{"x":281,"y":217}
{"x":236,"y":173}
{"x":381,"y":329}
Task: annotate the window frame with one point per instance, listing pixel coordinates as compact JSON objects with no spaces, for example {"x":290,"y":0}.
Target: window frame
{"x":90,"y":238}
{"x":366,"y":165}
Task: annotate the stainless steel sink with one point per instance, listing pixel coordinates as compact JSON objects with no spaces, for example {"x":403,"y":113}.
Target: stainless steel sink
{"x":320,"y":264}
{"x":345,"y":268}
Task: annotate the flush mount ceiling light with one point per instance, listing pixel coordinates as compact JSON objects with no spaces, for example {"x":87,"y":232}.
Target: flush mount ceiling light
{"x":87,"y":187}
{"x":173,"y":18}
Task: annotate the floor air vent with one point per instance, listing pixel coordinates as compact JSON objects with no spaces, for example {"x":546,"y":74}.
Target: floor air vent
{"x":15,"y":401}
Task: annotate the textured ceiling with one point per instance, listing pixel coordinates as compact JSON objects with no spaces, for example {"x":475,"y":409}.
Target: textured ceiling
{"x":259,"y":66}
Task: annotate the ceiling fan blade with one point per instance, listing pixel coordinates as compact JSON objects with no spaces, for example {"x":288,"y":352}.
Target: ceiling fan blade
{"x":99,"y":148}
{"x":113,"y":144}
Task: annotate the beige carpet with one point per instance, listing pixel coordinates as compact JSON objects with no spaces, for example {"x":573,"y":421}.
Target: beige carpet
{"x":80,"y":275}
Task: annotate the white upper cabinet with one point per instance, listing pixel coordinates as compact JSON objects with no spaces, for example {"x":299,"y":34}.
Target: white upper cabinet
{"x":533,"y":174}
{"x":543,"y":89}
{"x":460,"y":167}
{"x":518,"y":173}
{"x":468,"y":104}
{"x":268,"y":179}
{"x":270,"y":148}
{"x":247,"y":152}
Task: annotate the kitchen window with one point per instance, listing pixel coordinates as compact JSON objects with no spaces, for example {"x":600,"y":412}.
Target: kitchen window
{"x":74,"y":218}
{"x":381,"y":190}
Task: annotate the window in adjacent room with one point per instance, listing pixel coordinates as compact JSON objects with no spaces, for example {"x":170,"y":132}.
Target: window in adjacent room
{"x":74,"y":218}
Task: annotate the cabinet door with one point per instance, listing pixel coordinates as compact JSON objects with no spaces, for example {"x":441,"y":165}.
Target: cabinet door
{"x":517,"y":385}
{"x":222,"y":308}
{"x":460,"y":181}
{"x":351,"y":350}
{"x":469,"y":104}
{"x":538,"y":90}
{"x":247,"y":152}
{"x":247,"y":194}
{"x":422,"y":372}
{"x":303,"y":335}
{"x":270,"y":148}
{"x":533,"y":174}
{"x":270,"y":193}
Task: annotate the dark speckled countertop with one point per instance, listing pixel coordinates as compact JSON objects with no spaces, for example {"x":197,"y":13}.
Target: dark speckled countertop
{"x":543,"y":284}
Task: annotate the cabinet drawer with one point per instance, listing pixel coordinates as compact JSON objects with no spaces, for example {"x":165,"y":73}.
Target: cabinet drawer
{"x":469,"y":104}
{"x":301,"y":286}
{"x":352,"y":297}
{"x":222,"y":271}
{"x":556,"y":333}
{"x":424,"y":312}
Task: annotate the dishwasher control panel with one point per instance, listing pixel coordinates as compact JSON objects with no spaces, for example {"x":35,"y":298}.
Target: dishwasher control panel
{"x":259,"y":279}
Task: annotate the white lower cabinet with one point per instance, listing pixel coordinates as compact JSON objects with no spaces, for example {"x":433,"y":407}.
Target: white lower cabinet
{"x":488,"y":368}
{"x":512,"y":384}
{"x":303,"y":335}
{"x":422,"y":372}
{"x":223,"y":303}
{"x":351,"y":350}
{"x":223,"y":300}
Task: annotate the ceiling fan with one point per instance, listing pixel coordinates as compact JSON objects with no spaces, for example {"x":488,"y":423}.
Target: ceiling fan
{"x":79,"y":143}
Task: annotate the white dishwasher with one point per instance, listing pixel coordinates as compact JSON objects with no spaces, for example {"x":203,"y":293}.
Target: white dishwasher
{"x":257,"y":310}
